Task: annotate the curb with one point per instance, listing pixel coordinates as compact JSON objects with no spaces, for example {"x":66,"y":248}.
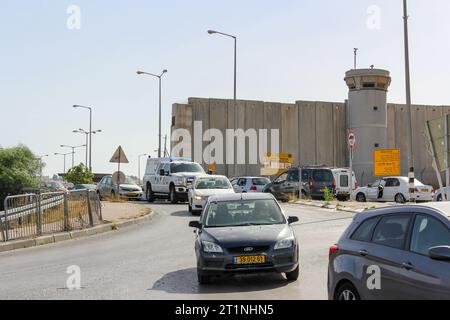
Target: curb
{"x":329,"y":207}
{"x":72,"y":235}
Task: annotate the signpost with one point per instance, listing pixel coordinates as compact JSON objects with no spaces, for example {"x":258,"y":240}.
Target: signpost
{"x":275,"y":163}
{"x":351,"y":142}
{"x":119,"y":157}
{"x":386,"y":162}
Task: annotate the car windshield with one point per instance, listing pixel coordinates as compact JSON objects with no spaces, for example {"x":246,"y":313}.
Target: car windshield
{"x":186,"y":167}
{"x":212,"y":183}
{"x":243,"y":213}
{"x":128,"y":180}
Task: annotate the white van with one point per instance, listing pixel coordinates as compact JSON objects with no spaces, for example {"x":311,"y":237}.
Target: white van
{"x":342,"y":178}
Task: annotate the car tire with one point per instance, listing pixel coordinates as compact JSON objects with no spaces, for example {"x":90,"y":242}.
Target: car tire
{"x":202,"y":278}
{"x":173,"y":195}
{"x":361,"y":197}
{"x":347,"y":292}
{"x":149,"y":194}
{"x":113,"y":194}
{"x":293,"y":275}
{"x":99,"y":196}
{"x":400,"y":198}
{"x":190,"y":208}
{"x":439,"y":198}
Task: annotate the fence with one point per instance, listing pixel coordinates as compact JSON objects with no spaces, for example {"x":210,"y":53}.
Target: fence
{"x":33,"y":215}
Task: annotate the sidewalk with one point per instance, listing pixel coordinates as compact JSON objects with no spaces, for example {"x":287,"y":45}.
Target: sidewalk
{"x":115,"y":216}
{"x":349,"y":206}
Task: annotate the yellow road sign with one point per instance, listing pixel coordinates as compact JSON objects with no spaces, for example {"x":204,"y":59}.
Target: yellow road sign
{"x":386,"y":162}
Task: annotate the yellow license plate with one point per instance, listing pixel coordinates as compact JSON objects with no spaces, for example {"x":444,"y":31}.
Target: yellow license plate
{"x":250,"y":260}
{"x":424,"y":190}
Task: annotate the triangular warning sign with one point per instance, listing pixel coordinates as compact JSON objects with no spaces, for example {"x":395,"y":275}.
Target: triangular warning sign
{"x":119,"y":156}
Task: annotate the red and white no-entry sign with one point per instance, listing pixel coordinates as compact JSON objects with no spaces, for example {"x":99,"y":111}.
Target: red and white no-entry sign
{"x":351,"y":139}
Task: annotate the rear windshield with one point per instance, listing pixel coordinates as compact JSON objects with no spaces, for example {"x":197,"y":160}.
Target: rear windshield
{"x":213,"y":184}
{"x":322,"y":176}
{"x":260,"y":181}
{"x":243,"y":213}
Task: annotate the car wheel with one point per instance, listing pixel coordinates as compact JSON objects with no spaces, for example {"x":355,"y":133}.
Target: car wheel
{"x":347,"y":292}
{"x":293,"y":275}
{"x":99,"y":196}
{"x":172,"y":195}
{"x":439,"y":198}
{"x":399,"y":198}
{"x":149,"y":194}
{"x":190,"y":208}
{"x":113,"y":194}
{"x":202,"y":278}
{"x":361,"y":197}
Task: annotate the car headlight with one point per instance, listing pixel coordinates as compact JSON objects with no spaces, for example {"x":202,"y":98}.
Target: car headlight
{"x":180,"y":181}
{"x":211,"y":247}
{"x":284,"y":244}
{"x":197,"y":197}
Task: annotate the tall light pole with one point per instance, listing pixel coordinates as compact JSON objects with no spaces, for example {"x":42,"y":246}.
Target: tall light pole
{"x":64,"y":155}
{"x":90,"y":133}
{"x":139,"y":165}
{"x":87,"y":133}
{"x":40,"y":169}
{"x":411,"y":174}
{"x":160,"y":82}
{"x":73,"y":151}
{"x":235,"y":57}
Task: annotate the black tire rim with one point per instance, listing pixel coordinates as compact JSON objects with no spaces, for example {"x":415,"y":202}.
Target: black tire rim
{"x":400,"y":199}
{"x":361,"y":198}
{"x":172,"y":194}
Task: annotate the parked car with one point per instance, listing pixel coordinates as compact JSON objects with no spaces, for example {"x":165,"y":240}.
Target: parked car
{"x":245,"y":233}
{"x":89,"y":187}
{"x":249,"y":184}
{"x":128,"y":189}
{"x":170,"y":178}
{"x":53,"y":186}
{"x":390,"y":189}
{"x":286,"y":185}
{"x":343,"y":189}
{"x":407,"y":248}
{"x":205,"y":187}
{"x":442,"y":194}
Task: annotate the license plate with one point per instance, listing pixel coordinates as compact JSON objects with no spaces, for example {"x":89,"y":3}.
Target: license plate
{"x":250,"y":260}
{"x":424,"y":190}
{"x":132,"y":194}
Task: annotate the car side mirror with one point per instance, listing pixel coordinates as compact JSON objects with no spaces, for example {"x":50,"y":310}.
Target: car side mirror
{"x":195,"y":224}
{"x":292,"y":220}
{"x":441,"y":253}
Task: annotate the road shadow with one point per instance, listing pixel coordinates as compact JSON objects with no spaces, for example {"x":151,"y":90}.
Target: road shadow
{"x":185,"y":282}
{"x":184,"y":214}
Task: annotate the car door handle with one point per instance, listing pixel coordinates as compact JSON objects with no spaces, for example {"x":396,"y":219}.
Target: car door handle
{"x":408,"y":266}
{"x":364,"y":253}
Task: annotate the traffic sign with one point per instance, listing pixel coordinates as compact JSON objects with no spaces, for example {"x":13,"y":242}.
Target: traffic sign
{"x":351,"y":139}
{"x":119,"y":156}
{"x":118,"y":177}
{"x":386,"y":162}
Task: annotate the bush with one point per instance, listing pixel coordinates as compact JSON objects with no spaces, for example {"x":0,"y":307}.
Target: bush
{"x":328,"y":195}
{"x":19,"y":169}
{"x":80,"y":175}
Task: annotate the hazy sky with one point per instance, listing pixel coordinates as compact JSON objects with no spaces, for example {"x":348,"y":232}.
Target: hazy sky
{"x":288,"y":50}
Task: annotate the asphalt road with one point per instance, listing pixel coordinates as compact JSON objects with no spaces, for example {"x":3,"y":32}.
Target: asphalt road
{"x":156,"y":260}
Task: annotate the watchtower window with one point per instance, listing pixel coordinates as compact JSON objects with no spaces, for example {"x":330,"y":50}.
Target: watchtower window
{"x":369,"y":85}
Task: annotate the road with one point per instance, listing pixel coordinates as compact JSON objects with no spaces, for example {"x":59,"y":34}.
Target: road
{"x":156,"y":260}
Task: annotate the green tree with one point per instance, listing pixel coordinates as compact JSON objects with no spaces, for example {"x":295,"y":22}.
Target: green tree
{"x":80,"y":175}
{"x":19,"y":169}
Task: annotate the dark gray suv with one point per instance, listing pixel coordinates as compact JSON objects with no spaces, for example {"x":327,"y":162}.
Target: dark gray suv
{"x":392,"y":253}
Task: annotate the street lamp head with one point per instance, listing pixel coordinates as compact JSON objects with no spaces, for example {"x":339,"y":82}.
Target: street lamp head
{"x":140,"y":72}
{"x":212,"y":31}
{"x":164,"y":71}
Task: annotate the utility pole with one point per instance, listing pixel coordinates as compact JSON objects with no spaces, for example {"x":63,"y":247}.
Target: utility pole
{"x":411,"y":174}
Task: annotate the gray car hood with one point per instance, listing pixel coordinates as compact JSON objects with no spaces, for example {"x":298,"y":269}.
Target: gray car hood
{"x":251,"y":235}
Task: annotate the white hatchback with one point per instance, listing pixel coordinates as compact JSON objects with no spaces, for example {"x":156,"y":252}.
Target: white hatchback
{"x":205,"y":187}
{"x":392,"y":189}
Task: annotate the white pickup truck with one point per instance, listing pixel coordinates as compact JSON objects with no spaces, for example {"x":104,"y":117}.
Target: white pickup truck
{"x":169,"y":178}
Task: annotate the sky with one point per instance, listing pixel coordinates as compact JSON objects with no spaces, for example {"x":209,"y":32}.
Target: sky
{"x":287,"y":51}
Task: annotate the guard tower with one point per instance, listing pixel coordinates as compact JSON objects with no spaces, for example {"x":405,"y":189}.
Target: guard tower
{"x":367,"y":116}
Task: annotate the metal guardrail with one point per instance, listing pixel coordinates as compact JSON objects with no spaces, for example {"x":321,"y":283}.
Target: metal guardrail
{"x":33,"y":215}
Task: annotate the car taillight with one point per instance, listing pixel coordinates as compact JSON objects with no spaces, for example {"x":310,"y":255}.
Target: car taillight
{"x":333,"y":250}
{"x":334,"y":183}
{"x":310,"y":183}
{"x":356,"y":184}
{"x":416,"y":190}
{"x":253,"y":188}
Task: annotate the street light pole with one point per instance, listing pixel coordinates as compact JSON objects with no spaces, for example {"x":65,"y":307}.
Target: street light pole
{"x":64,"y":155}
{"x":73,"y":151}
{"x":411,"y":174}
{"x":160,"y":103}
{"x":87,"y":135}
{"x":139,"y":166}
{"x":90,"y":133}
